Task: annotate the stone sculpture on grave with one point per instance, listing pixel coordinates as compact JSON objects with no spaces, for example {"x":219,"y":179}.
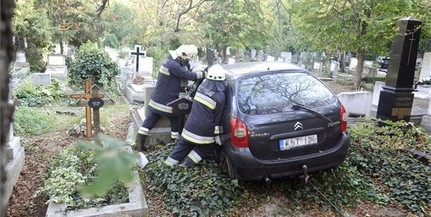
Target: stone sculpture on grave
{"x":396,"y":97}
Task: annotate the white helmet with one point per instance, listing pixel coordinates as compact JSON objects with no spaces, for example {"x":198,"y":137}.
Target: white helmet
{"x":217,"y":73}
{"x":187,"y":51}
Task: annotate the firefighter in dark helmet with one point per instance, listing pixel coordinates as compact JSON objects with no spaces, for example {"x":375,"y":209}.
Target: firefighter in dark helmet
{"x":203,"y":125}
{"x":174,"y":69}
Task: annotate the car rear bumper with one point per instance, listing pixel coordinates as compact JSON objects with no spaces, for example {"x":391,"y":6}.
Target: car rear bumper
{"x":247,"y":167}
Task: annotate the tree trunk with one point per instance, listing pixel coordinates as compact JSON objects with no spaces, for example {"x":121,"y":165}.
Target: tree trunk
{"x":359,"y":68}
{"x":61,"y":47}
{"x":223,"y":50}
{"x":6,"y":108}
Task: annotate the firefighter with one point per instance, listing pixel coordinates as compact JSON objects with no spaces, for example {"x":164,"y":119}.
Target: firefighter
{"x":203,"y":126}
{"x":174,"y":69}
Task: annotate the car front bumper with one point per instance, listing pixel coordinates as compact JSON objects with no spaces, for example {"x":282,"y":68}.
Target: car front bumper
{"x":247,"y":167}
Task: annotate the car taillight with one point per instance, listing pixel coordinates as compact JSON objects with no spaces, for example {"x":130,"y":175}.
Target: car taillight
{"x":238,"y":133}
{"x":343,"y":119}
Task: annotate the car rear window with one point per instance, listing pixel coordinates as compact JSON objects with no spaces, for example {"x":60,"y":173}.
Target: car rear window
{"x":277,"y":91}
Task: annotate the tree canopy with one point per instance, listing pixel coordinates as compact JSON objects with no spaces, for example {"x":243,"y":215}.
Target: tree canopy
{"x":363,"y":27}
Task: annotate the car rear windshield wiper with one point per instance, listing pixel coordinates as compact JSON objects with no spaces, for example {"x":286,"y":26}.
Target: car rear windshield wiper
{"x":299,"y":106}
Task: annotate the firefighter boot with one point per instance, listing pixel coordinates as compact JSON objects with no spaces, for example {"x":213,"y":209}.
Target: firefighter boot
{"x":140,"y":142}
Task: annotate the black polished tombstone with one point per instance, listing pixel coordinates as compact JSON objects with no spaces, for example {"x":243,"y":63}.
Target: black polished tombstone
{"x":181,"y":107}
{"x":396,"y":97}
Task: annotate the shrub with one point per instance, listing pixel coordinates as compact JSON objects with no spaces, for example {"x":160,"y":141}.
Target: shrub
{"x":32,"y":121}
{"x":32,"y":95}
{"x":93,"y":63}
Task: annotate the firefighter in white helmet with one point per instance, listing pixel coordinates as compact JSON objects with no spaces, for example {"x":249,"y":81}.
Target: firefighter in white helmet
{"x":203,"y":126}
{"x":174,"y":68}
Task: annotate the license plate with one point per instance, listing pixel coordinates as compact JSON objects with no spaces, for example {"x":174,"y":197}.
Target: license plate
{"x":286,"y":144}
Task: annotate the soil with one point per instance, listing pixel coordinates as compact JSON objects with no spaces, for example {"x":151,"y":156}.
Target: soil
{"x":39,"y":149}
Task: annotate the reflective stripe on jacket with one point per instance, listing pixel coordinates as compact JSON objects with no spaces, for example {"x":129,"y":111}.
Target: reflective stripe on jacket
{"x":168,"y":85}
{"x":204,"y":120}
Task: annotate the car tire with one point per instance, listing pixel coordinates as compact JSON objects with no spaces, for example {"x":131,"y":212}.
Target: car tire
{"x":226,"y":165}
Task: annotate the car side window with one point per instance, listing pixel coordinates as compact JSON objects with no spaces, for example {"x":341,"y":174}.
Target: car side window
{"x":276,"y":92}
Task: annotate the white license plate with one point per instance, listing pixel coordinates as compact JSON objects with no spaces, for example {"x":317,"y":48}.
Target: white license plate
{"x":286,"y":144}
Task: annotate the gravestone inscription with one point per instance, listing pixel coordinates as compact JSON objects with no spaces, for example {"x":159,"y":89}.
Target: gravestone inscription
{"x":396,"y":97}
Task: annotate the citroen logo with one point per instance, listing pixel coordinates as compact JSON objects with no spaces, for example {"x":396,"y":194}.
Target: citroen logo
{"x":298,"y":126}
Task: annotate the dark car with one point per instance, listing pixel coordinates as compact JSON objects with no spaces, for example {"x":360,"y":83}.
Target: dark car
{"x":280,"y":120}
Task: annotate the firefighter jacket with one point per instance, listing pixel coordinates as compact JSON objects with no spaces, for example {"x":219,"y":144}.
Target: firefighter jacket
{"x":203,"y":124}
{"x":168,"y":84}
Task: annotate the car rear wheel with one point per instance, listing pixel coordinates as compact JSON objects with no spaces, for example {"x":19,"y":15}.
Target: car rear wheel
{"x":226,"y":165}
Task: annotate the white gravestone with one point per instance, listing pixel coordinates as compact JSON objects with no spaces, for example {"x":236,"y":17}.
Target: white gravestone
{"x":270,"y":58}
{"x":334,"y":67}
{"x":353,"y":64}
{"x":20,"y":60}
{"x":231,"y":61}
{"x":253,"y":54}
{"x":425,"y":72}
{"x":138,"y":54}
{"x":41,"y":78}
{"x":146,"y":65}
{"x":287,"y":56}
{"x":378,"y":86}
{"x":57,"y":66}
{"x":356,"y":102}
{"x":14,"y":161}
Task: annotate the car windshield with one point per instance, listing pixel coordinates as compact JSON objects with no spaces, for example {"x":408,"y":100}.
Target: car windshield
{"x":276,"y":92}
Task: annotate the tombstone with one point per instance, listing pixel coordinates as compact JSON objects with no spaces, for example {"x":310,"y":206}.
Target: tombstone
{"x":353,"y":63}
{"x":228,"y":51}
{"x":112,"y":53}
{"x":253,"y":54}
{"x":318,"y":67}
{"x":426,"y":119}
{"x":295,"y":58}
{"x":15,"y":155}
{"x":378,"y":86}
{"x":146,"y":65}
{"x":136,"y":92}
{"x":57,"y":49}
{"x":41,"y":78}
{"x":287,"y":56}
{"x":20,"y":60}
{"x":210,"y":56}
{"x":270,"y":58}
{"x":368,"y":69}
{"x":425,"y":72}
{"x":57,"y":67}
{"x":20,"y":69}
{"x":358,"y":103}
{"x":241,"y":53}
{"x":231,"y":61}
{"x":161,"y":131}
{"x":396,"y":97}
{"x":260,"y":56}
{"x":335,"y":66}
{"x":138,"y":52}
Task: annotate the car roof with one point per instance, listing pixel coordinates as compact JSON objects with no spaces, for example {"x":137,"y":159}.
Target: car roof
{"x":256,"y":67}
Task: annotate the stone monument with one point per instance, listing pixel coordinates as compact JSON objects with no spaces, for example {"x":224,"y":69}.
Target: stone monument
{"x":396,"y":97}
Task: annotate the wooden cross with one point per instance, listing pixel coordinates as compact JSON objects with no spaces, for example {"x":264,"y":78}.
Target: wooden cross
{"x":94,"y":100}
{"x":137,"y":53}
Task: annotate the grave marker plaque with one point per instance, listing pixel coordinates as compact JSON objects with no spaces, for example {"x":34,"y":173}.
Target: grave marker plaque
{"x":396,"y":97}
